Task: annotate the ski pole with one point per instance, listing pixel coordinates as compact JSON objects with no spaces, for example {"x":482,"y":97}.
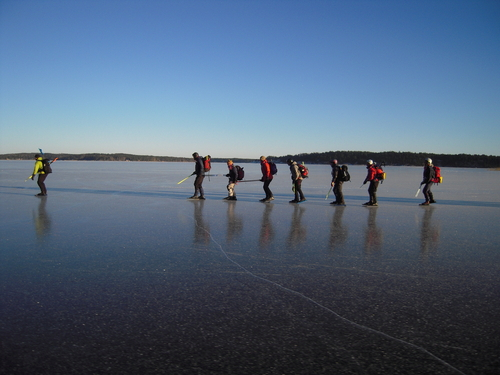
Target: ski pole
{"x":181,"y":181}
{"x":41,"y":152}
{"x":249,"y":181}
{"x":329,"y":191}
{"x":418,"y":191}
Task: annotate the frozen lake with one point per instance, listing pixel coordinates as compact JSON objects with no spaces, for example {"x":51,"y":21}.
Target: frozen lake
{"x":117,"y":272}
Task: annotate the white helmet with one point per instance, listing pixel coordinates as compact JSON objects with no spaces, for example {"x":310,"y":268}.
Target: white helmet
{"x":428,"y":160}
{"x":369,"y":162}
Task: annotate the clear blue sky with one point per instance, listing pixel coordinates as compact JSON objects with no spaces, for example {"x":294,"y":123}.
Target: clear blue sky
{"x":249,"y":78}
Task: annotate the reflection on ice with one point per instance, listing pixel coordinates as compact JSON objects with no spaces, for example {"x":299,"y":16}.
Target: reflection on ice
{"x":338,"y":231}
{"x":42,"y":219}
{"x":430,"y":233}
{"x":234,"y":223}
{"x":266,"y":228}
{"x":373,"y":235}
{"x":298,"y":232}
{"x":201,"y":226}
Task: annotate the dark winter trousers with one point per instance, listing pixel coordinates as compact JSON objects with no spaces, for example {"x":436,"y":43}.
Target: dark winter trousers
{"x":269,"y":193}
{"x":41,"y":183}
{"x":197,"y":185}
{"x":298,"y":190}
{"x":428,"y":193}
{"x":337,"y":190}
{"x":372,"y":191}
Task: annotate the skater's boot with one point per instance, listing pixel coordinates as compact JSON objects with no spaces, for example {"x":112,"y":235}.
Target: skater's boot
{"x":431,"y":198}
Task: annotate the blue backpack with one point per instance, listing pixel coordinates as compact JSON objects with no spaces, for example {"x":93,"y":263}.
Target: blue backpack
{"x":273,"y":167}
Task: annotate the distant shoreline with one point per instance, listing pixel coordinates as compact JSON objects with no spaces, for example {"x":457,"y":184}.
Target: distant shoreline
{"x":343,"y":157}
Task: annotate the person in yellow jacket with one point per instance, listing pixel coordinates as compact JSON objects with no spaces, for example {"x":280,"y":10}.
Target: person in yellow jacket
{"x":40,"y":170}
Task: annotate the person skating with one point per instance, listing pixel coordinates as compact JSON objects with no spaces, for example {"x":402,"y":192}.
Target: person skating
{"x":199,"y":172}
{"x":267,"y":178}
{"x":428,"y":180}
{"x":233,"y":179}
{"x":39,"y":169}
{"x":297,"y":181}
{"x":337,"y":183}
{"x":372,"y":178}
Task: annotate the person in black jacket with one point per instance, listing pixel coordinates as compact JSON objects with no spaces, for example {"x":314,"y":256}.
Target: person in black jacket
{"x":200,"y":175}
{"x":428,"y":180}
{"x":337,"y":183}
{"x":233,"y":179}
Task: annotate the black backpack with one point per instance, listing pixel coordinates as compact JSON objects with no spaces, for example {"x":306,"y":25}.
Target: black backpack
{"x":344,"y":173}
{"x":46,"y":168}
{"x":240,"y":173}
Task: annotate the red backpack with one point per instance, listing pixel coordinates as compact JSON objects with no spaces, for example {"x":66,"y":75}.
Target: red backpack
{"x":304,"y":172}
{"x":379,"y":173}
{"x":437,"y":175}
{"x":207,"y":165}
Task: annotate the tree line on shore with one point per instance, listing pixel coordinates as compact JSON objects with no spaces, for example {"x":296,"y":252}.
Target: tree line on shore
{"x":343,"y":157}
{"x":397,"y":158}
{"x":94,"y":157}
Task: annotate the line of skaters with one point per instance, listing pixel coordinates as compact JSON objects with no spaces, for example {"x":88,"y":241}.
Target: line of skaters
{"x":340,"y":174}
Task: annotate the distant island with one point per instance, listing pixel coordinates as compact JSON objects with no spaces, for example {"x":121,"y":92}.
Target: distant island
{"x":398,"y":158}
{"x":343,"y":157}
{"x":95,"y":157}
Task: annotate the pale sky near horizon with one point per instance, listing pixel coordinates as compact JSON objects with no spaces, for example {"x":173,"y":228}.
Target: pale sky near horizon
{"x":249,"y":78}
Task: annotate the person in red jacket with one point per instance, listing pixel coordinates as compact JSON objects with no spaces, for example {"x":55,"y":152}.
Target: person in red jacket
{"x":372,"y":178}
{"x":267,"y":178}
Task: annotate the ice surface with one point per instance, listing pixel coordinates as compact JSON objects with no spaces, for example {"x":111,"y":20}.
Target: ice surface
{"x":117,"y":272}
